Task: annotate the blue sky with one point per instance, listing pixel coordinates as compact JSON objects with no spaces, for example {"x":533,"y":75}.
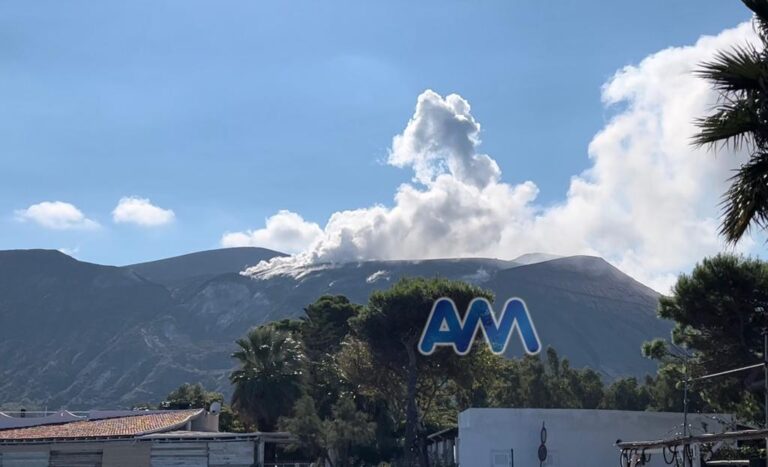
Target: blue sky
{"x":227,"y":112}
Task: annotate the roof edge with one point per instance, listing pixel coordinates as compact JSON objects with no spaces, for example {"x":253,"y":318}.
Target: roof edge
{"x":172,"y":427}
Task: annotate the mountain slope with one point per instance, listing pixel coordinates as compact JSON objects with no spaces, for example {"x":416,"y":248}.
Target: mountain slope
{"x":588,"y":310}
{"x":69,"y":329}
{"x":176,"y":270}
{"x":82,"y":335}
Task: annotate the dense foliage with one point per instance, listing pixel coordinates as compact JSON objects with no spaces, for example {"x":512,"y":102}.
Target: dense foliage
{"x":347,"y":381}
{"x":270,"y":378}
{"x":720,"y":313}
{"x":358,"y":393}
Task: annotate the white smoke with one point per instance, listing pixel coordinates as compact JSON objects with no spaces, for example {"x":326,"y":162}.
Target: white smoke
{"x":648,"y":203}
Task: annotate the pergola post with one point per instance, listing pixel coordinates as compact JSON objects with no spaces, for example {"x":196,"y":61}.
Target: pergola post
{"x":260,"y":452}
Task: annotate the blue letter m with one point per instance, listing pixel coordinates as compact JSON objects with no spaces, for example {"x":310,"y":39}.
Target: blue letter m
{"x":446,"y":328}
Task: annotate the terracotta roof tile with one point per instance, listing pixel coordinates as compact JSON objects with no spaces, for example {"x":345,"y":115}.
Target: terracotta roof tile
{"x":107,"y":428}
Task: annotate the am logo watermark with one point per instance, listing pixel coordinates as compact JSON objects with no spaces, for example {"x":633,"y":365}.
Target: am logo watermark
{"x":445,"y":328}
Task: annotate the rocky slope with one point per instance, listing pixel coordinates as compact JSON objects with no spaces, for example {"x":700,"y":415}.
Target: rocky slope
{"x":83,"y":335}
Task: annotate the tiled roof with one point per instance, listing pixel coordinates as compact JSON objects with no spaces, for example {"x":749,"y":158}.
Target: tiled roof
{"x":134,"y":425}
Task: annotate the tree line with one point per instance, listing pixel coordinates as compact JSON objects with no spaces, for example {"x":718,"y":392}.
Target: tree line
{"x":347,"y":381}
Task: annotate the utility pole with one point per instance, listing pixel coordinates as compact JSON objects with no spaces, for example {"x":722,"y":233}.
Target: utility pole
{"x":686,"y":382}
{"x":765,"y":383}
{"x":686,"y":388}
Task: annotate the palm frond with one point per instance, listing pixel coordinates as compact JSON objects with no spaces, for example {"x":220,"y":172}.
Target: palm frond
{"x":760,"y":21}
{"x":736,"y":70}
{"x":758,"y":7}
{"x":746,"y":201}
{"x":732,"y":123}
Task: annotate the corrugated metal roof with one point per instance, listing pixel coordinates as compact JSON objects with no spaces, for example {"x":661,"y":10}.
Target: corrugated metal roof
{"x":119,"y":427}
{"x":64,"y":416}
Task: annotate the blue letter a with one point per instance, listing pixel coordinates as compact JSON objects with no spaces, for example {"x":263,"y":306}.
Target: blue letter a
{"x":443,"y":328}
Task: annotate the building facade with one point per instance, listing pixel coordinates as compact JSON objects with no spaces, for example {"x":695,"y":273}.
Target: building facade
{"x":571,"y":438}
{"x":130,"y":439}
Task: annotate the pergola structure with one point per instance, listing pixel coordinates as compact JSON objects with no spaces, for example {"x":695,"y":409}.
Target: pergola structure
{"x":682,"y":451}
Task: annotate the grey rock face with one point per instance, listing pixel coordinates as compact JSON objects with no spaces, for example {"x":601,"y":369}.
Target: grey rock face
{"x":83,"y":336}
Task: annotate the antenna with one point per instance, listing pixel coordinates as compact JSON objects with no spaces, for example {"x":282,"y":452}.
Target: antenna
{"x":215,"y":407}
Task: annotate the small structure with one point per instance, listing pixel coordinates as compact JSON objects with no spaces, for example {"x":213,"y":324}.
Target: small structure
{"x":441,"y":447}
{"x":566,"y":437}
{"x":129,"y":439}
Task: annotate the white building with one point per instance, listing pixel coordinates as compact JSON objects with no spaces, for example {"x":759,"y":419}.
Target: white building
{"x":574,"y":438}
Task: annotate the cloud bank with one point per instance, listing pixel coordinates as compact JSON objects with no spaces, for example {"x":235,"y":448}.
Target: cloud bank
{"x":648,"y":203}
{"x":286,"y":231}
{"x":56,"y":215}
{"x":141,"y":212}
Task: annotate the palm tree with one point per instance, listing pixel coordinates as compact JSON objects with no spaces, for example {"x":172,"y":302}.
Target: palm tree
{"x":741,"y":119}
{"x":270,"y":376}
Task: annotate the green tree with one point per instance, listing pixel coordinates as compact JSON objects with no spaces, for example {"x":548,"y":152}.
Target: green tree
{"x":305,"y":424}
{"x":322,"y":330}
{"x":379,"y":391}
{"x":533,"y":382}
{"x":332,"y":440}
{"x":325,"y":324}
{"x":270,"y":376}
{"x":190,"y":396}
{"x":348,"y":428}
{"x":741,"y":119}
{"x":626,"y":394}
{"x":666,"y":390}
{"x":391,"y":326}
{"x":719,"y":314}
{"x":587,"y":387}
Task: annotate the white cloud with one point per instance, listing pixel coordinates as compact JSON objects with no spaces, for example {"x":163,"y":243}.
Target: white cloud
{"x":141,"y":211}
{"x":286,"y":232}
{"x":648,"y":203}
{"x":56,"y":215}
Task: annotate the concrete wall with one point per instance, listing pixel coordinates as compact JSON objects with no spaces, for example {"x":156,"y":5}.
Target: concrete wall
{"x":129,"y":453}
{"x":207,"y":421}
{"x":575,"y":438}
{"x":25,"y":458}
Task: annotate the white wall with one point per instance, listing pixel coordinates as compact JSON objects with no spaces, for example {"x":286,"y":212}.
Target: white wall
{"x":576,"y":438}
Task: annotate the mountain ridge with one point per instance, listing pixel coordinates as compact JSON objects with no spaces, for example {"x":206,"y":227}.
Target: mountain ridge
{"x":84,"y":335}
{"x":201,"y":263}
